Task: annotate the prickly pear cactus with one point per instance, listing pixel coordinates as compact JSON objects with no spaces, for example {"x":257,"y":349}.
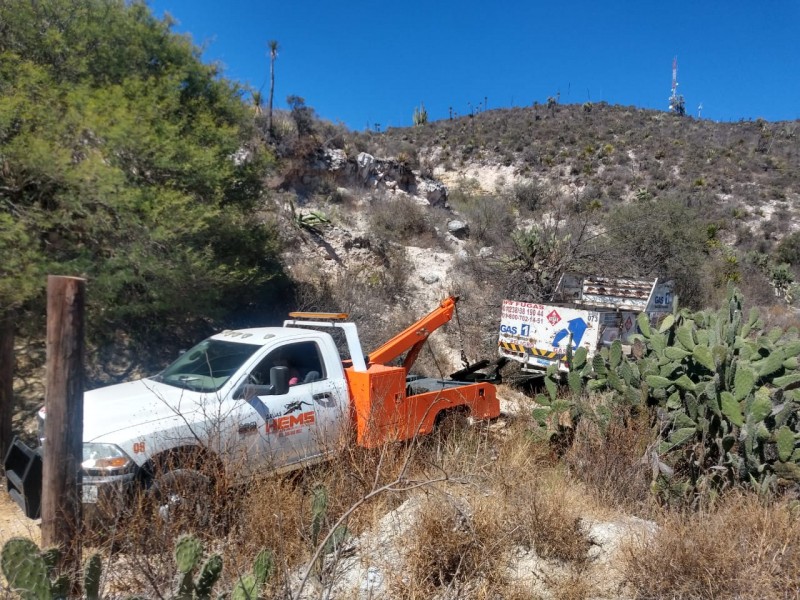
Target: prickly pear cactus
{"x":25,"y":569}
{"x":246,"y":588}
{"x":209,"y":575}
{"x":263,"y":566}
{"x":319,"y":512}
{"x":249,"y":585}
{"x":726,"y":394}
{"x":188,"y":552}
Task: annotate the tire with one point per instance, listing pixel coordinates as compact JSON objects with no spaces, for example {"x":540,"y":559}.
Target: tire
{"x":181,"y":498}
{"x":452,"y":422}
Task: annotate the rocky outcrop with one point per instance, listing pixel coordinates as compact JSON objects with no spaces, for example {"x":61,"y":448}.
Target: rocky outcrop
{"x":434,"y":191}
{"x":366,"y":170}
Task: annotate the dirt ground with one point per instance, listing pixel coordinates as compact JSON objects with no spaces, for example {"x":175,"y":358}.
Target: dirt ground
{"x":13,"y":523}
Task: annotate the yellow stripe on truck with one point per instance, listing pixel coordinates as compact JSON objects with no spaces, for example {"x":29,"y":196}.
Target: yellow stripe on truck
{"x":537,"y":352}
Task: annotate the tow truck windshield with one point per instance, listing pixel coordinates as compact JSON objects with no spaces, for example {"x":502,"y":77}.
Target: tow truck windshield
{"x":207,"y":366}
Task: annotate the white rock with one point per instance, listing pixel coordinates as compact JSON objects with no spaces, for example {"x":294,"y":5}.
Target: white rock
{"x":435,"y":192}
{"x":458,"y":228}
{"x":606,"y":537}
{"x":241,"y":156}
{"x":335,"y":159}
{"x":365,"y":162}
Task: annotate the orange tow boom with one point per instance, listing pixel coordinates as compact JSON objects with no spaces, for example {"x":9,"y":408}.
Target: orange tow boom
{"x":389,"y":407}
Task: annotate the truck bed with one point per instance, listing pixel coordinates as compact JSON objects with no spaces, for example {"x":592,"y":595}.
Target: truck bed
{"x":421,"y":385}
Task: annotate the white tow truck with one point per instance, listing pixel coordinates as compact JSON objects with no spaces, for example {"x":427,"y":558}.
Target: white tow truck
{"x":269,"y":399}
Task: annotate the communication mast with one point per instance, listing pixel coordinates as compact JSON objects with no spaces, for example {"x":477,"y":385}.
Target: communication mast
{"x":676,"y":102}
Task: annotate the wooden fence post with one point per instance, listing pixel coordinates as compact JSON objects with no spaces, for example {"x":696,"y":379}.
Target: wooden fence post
{"x":63,"y":431}
{"x":6,"y":379}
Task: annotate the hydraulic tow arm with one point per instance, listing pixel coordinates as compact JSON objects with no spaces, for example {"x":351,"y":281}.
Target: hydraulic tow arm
{"x":413,"y":338}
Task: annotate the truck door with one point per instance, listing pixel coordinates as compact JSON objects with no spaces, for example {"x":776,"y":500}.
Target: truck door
{"x":305,"y":422}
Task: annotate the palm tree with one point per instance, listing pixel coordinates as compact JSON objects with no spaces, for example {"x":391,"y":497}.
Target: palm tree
{"x":273,"y":54}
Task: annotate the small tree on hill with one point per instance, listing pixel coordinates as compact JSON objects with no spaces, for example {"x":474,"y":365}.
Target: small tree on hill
{"x":302,"y":115}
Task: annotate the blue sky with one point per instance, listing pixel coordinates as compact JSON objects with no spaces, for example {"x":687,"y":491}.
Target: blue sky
{"x":362,"y":63}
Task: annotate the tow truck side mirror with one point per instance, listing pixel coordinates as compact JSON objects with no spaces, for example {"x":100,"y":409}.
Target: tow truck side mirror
{"x":278,"y":385}
{"x":279,"y":380}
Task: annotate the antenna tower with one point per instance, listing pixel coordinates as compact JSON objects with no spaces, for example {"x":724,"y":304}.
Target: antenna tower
{"x":676,"y":102}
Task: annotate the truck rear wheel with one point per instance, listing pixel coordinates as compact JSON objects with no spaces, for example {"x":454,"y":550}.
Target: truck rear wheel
{"x":452,"y":421}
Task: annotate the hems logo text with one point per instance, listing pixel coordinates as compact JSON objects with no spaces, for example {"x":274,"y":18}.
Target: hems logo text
{"x":290,"y":424}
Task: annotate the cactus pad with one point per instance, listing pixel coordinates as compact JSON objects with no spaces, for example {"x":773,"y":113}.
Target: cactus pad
{"x":92,"y":573}
{"x":25,"y":569}
{"x":188,"y":552}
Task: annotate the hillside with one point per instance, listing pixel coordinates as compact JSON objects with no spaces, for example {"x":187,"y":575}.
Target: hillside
{"x":501,"y":203}
{"x":616,"y":153}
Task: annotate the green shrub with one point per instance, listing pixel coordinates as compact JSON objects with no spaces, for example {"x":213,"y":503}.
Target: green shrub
{"x":529,"y":195}
{"x":788,"y":250}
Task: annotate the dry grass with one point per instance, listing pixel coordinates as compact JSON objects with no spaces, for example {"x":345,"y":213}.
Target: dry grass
{"x":546,"y":517}
{"x":505,"y":493}
{"x":452,"y":546}
{"x":537,"y":502}
{"x":510,"y":496}
{"x":780,"y":316}
{"x":575,"y":585}
{"x":401,"y":220}
{"x":609,"y":459}
{"x":740,"y":549}
{"x":270,"y":512}
{"x":505,"y":496}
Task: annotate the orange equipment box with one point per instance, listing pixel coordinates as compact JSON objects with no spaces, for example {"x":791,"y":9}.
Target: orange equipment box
{"x":384,"y":413}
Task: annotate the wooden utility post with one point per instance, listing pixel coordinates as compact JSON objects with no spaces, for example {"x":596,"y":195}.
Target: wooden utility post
{"x":6,"y":379}
{"x":63,"y":430}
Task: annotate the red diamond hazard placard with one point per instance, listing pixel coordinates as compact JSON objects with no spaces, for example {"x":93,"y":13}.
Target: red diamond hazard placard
{"x":628,"y":324}
{"x":553,"y":317}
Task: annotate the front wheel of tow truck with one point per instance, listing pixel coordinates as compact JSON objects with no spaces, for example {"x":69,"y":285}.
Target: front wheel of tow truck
{"x":179,"y":492}
{"x":180,"y":498}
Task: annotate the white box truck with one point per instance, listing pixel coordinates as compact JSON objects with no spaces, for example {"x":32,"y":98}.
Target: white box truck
{"x":588,"y":311}
{"x":538,"y":335}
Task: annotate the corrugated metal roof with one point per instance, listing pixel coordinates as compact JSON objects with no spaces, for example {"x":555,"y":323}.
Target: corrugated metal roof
{"x":617,"y":292}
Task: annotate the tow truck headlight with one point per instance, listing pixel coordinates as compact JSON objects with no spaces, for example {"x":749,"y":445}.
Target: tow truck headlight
{"x":108,"y":458}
